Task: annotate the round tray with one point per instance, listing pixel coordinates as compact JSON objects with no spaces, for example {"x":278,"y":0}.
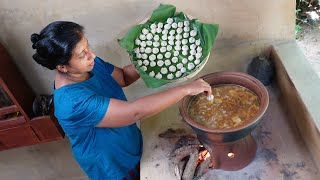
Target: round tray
{"x":189,"y":76}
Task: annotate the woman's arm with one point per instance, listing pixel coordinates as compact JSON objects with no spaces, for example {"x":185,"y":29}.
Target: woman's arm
{"x":122,"y":113}
{"x":125,"y":76}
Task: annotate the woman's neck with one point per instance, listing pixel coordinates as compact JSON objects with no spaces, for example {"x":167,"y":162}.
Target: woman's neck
{"x":63,"y":79}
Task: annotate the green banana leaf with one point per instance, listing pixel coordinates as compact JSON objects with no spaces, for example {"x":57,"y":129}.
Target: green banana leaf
{"x":206,"y":33}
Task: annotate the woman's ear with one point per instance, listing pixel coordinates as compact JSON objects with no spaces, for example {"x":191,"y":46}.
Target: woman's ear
{"x":62,"y":68}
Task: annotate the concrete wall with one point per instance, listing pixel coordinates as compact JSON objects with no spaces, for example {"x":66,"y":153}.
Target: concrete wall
{"x":105,"y":21}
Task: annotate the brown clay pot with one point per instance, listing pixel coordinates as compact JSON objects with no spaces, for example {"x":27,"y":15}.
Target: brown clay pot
{"x":237,"y":140}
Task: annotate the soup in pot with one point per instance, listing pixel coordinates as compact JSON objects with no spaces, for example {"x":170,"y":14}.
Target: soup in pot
{"x":232,"y":106}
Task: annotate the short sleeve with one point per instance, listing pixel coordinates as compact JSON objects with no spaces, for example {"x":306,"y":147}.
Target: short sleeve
{"x":105,"y":66}
{"x":82,"y":109}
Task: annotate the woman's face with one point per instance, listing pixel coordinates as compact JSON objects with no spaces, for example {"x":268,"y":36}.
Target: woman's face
{"x":82,"y":59}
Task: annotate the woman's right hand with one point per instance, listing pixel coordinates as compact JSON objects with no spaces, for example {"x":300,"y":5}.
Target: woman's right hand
{"x":198,"y":86}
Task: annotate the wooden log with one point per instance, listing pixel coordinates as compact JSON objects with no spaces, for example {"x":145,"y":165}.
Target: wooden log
{"x":203,"y":167}
{"x":191,"y":166}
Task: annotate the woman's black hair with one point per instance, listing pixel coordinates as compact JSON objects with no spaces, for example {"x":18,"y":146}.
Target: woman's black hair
{"x":55,"y":43}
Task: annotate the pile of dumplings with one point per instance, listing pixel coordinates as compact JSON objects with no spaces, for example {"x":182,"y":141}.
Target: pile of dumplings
{"x":168,"y":50}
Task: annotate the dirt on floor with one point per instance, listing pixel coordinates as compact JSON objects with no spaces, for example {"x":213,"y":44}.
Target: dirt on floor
{"x":309,"y":42}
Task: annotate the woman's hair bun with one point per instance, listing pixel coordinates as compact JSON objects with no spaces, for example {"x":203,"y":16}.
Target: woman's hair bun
{"x":34,"y":39}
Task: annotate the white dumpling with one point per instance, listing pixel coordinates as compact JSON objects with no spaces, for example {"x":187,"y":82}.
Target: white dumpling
{"x":193,"y":52}
{"x":139,"y":62}
{"x":149,"y":36}
{"x":192,"y":40}
{"x":149,"y":43}
{"x":171,"y":42}
{"x":156,"y":44}
{"x":198,"y":55}
{"x":159,"y":76}
{"x":159,"y":56}
{"x":160,"y":63}
{"x":185,"y":35}
{"x":180,"y":24}
{"x":172,"y":32}
{"x":163,"y":49}
{"x":184,"y":60}
{"x":146,"y":62}
{"x":186,"y":29}
{"x":167,"y":55}
{"x":151,"y":74}
{"x":138,"y":55}
{"x":152,"y":57}
{"x":184,"y":41}
{"x":199,"y":49}
{"x":197,"y":61}
{"x":167,"y":26}
{"x":155,"y":50}
{"x":170,"y":76}
{"x":153,"y":31}
{"x":178,"y":37}
{"x":186,"y":23}
{"x":183,"y":70}
{"x":144,"y":56}
{"x":169,"y":48}
{"x":145,"y":31}
{"x":184,"y":53}
{"x":142,"y":49}
{"x":174,"y":59}
{"x":156,"y":38}
{"x":174,"y":25}
{"x":172,"y":68}
{"x":142,"y":37}
{"x":179,"y":30}
{"x":160,"y":25}
{"x":164,"y":37}
{"x":153,"y":64}
{"x":143,"y":68}
{"x":178,"y":43}
{"x":179,"y":65}
{"x":177,"y":48}
{"x":190,"y":66}
{"x":193,"y":33}
{"x":190,"y":58}
{"x":176,"y":53}
{"x":137,"y":42}
{"x":164,"y":70}
{"x":148,"y":50}
{"x":165,"y":31}
{"x":164,"y":43}
{"x":167,"y":62}
{"x":159,"y":30}
{"x":198,"y":42}
{"x":193,"y":46}
{"x":143,"y":44}
{"x":178,"y":74}
{"x":185,"y":48}
{"x":169,"y":20}
{"x":170,"y":38}
{"x":153,"y":26}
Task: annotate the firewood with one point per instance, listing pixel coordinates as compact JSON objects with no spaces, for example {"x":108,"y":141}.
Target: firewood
{"x":191,"y":166}
{"x":203,"y":167}
{"x":183,"y":150}
{"x":172,"y":133}
{"x":178,"y":170}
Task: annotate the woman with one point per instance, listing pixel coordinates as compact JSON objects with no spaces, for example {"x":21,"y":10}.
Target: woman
{"x":91,"y":106}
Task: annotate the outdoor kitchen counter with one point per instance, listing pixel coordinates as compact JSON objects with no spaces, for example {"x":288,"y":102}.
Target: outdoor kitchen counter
{"x":281,"y":152}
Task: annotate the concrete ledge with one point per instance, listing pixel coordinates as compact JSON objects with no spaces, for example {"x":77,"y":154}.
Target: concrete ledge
{"x":300,"y":88}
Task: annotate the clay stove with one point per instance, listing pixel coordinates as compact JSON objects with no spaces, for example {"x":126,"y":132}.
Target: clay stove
{"x":231,"y":149}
